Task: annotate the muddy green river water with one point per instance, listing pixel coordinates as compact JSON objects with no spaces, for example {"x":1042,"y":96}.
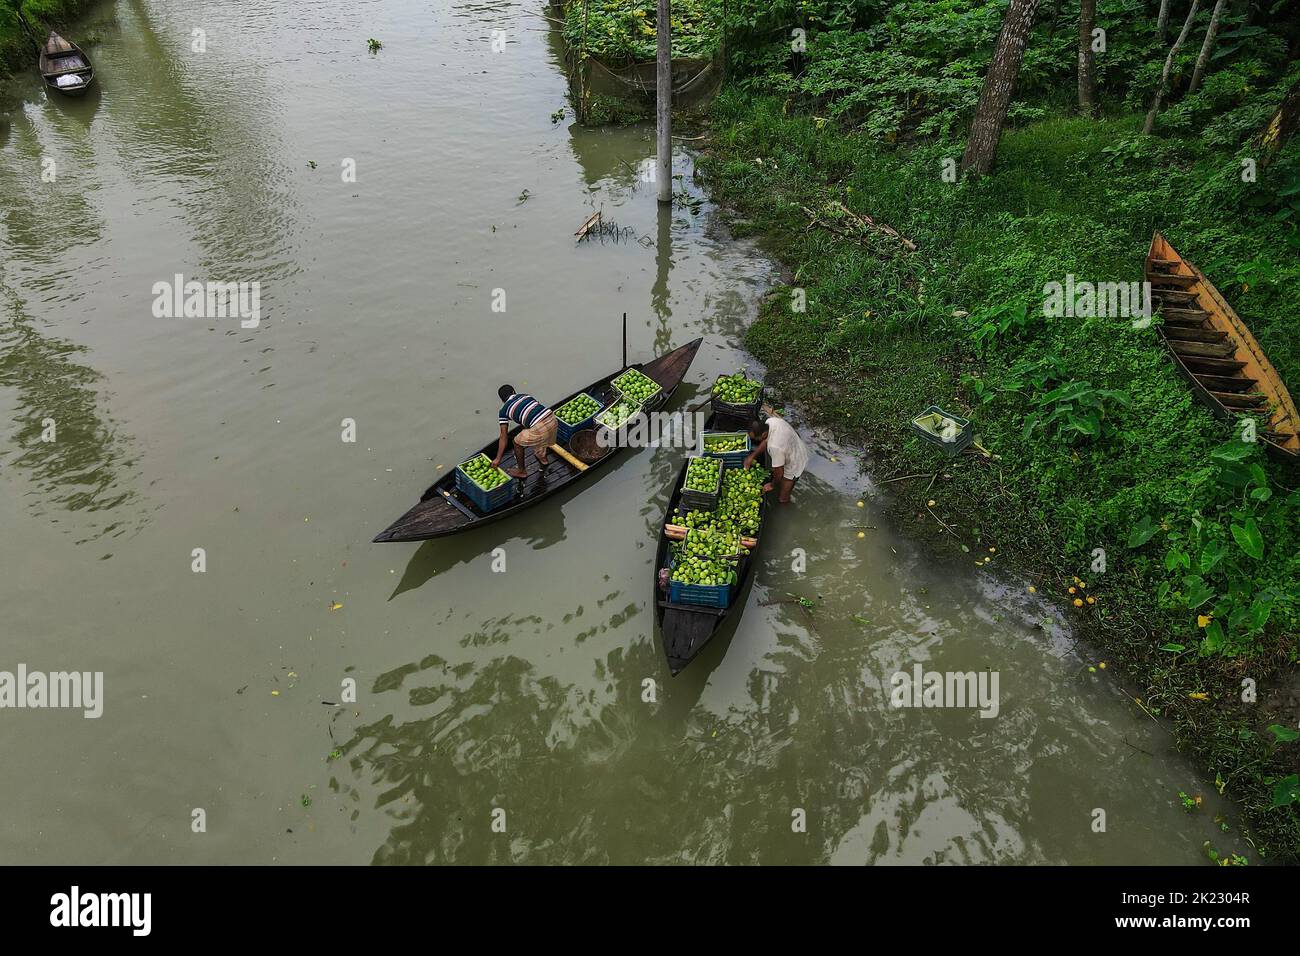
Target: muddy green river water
{"x":500,"y":717}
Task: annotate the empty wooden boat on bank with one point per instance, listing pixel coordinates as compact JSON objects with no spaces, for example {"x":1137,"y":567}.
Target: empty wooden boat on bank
{"x":1215,"y":351}
{"x":444,"y":510}
{"x":64,"y":66}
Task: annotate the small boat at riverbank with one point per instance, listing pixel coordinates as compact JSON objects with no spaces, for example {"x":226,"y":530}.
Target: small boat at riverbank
{"x":685,"y":629}
{"x":1217,"y":354}
{"x":444,"y":510}
{"x":64,"y":66}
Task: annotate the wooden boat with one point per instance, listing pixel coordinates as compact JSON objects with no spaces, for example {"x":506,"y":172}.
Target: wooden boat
{"x":64,"y":66}
{"x":442,"y":510}
{"x":685,"y":629}
{"x":1216,"y":353}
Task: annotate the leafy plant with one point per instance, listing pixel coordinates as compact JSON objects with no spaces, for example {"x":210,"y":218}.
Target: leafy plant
{"x":1075,"y":411}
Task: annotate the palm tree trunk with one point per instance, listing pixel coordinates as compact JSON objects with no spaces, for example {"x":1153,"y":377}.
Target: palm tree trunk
{"x":1150,"y":124}
{"x":1207,"y":47}
{"x":999,"y":86}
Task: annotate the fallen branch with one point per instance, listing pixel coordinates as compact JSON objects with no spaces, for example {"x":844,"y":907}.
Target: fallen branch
{"x":1137,"y":748}
{"x":866,"y":222}
{"x":905,"y":477}
{"x":586,"y":227}
{"x":941,"y":521}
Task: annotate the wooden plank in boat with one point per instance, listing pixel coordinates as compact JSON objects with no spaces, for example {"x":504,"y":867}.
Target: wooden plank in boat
{"x":1212,"y":366}
{"x":1202,"y":349}
{"x":1183,"y":321}
{"x":1171,"y":279}
{"x":694,"y":609}
{"x":1225,"y":383}
{"x":1195,"y":335}
{"x":1238,"y":399}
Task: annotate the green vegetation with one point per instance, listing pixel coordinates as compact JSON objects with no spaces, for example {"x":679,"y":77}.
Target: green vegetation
{"x":619,"y":32}
{"x":1110,"y":473}
{"x":16,"y":49}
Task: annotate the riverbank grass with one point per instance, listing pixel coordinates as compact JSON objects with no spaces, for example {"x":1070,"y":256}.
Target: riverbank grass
{"x":1112,"y":488}
{"x":16,"y":48}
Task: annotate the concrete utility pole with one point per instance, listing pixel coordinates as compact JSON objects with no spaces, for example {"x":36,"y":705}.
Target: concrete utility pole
{"x":664,"y":100}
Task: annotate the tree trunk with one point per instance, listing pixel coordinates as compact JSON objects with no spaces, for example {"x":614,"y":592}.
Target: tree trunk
{"x":1207,"y":47}
{"x":1281,"y":126}
{"x":1162,"y":21}
{"x":664,"y":101}
{"x":1087,"y":71}
{"x":999,"y":86}
{"x":1150,"y":124}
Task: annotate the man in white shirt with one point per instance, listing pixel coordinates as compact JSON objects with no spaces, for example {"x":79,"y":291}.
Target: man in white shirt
{"x":788,"y":453}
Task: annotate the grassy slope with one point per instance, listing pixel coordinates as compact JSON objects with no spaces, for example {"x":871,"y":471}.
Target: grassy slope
{"x":879,"y":341}
{"x":42,"y":15}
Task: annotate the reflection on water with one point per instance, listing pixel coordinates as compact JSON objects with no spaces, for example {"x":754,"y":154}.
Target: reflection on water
{"x":211,"y":131}
{"x":88,"y":465}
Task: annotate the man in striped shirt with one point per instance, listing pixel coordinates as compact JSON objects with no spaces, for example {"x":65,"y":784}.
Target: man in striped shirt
{"x":538,"y":425}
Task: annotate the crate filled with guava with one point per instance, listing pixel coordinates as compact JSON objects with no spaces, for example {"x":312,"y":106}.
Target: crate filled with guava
{"x":638,"y":387}
{"x":738,"y":396}
{"x":703,"y":570}
{"x":575,"y":415}
{"x":489,"y":488}
{"x":616,"y":416}
{"x":701,"y":484}
{"x":618,"y":413}
{"x":732,"y":448}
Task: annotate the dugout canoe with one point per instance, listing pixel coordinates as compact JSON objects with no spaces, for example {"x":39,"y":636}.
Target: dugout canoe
{"x":442,"y":510}
{"x":684,"y":629}
{"x":64,"y":66}
{"x":1217,"y":354}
